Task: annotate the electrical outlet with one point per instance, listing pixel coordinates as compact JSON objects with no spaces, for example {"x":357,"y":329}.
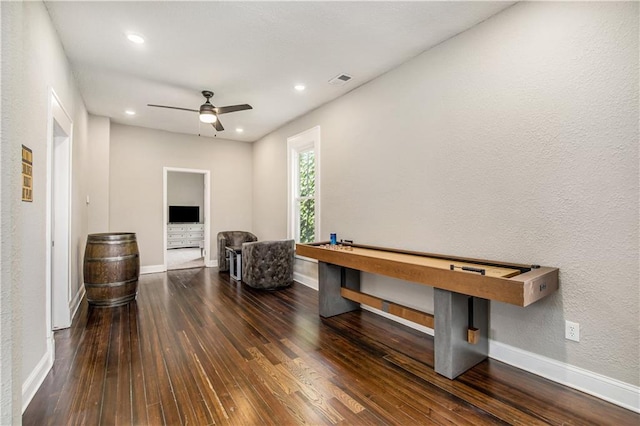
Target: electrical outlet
{"x":572,"y":331}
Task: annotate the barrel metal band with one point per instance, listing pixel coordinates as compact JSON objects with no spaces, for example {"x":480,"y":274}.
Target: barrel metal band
{"x":111,"y":242}
{"x":108,"y":303}
{"x":116,"y":284}
{"x":111,"y":259}
{"x":112,"y":236}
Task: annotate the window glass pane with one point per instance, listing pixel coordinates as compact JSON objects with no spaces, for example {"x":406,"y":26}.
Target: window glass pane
{"x":304,"y":188}
{"x":307,"y":173}
{"x":306,"y":218}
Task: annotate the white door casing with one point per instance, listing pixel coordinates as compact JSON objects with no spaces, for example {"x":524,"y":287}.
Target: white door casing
{"x":207,"y":204}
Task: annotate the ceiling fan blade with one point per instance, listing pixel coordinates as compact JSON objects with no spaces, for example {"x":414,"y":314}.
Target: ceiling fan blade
{"x":232,"y":108}
{"x":170,"y":107}
{"x":218,"y":125}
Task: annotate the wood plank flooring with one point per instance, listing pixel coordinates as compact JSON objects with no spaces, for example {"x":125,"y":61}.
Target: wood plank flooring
{"x":199,"y":349}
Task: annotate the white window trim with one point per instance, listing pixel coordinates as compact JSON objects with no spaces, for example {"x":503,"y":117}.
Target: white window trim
{"x":302,"y":141}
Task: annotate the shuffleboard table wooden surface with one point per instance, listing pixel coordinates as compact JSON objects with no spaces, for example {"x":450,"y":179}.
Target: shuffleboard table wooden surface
{"x":462,"y":286}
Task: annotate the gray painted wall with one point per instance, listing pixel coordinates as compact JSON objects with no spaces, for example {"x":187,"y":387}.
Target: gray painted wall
{"x":137,"y":158}
{"x":185,"y":189}
{"x":516,"y":140}
{"x":98,"y":178}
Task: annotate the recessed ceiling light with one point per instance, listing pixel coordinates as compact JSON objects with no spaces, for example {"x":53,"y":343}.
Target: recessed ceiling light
{"x":299,"y":87}
{"x":130,"y":112}
{"x":239,"y":129}
{"x":135,"y":38}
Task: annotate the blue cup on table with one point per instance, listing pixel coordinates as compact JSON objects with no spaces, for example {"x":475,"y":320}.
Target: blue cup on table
{"x":332,"y":238}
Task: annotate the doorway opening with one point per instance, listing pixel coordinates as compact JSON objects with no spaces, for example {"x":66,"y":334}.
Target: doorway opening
{"x":186,"y":218}
{"x":59,"y":217}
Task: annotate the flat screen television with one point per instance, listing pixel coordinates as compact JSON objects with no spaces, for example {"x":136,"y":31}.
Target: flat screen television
{"x":184,"y":214}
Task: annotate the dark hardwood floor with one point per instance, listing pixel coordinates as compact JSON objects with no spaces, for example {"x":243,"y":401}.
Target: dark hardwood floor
{"x":199,"y":349}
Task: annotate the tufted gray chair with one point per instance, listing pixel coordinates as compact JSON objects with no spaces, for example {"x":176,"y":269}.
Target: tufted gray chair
{"x":268,"y":264}
{"x":231,"y":239}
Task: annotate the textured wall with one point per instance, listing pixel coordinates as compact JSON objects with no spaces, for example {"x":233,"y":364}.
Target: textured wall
{"x":270,"y":186}
{"x":12,"y":131}
{"x":516,"y":140}
{"x":45,"y":67}
{"x":138,"y":156}
{"x":38,"y":64}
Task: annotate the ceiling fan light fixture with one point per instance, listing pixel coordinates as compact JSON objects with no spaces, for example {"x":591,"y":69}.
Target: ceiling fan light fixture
{"x":208,"y":113}
{"x":207,"y":116}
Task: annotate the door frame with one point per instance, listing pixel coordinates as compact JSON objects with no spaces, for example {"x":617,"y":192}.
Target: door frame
{"x":207,"y":210}
{"x":57,"y":115}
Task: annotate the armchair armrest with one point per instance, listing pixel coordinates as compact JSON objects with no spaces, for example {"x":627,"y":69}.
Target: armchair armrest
{"x":231,"y":238}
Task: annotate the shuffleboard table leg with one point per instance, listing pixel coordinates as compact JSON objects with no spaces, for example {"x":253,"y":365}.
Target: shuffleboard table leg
{"x":453,"y":353}
{"x":330,"y":279}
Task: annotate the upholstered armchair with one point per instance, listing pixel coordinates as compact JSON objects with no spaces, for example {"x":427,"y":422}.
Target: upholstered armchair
{"x":268,"y":264}
{"x":231,"y":239}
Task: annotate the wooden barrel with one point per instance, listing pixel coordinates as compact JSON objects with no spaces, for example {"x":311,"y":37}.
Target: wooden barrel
{"x":111,"y":269}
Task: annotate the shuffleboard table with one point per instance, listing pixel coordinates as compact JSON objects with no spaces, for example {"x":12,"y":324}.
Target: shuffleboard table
{"x":463,"y":288}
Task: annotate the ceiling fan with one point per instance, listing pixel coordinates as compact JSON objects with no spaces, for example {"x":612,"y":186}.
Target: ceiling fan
{"x":208,"y":112}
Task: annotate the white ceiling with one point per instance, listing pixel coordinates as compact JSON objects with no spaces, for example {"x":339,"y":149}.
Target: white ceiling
{"x":245,"y":52}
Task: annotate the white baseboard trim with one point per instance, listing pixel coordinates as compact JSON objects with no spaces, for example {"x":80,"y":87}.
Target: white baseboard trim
{"x":152,"y":269}
{"x":306,"y":280}
{"x":75,"y":302}
{"x":603,"y":387}
{"x":39,"y":373}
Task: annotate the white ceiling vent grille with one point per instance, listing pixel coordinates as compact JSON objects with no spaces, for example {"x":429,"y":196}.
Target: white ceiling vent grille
{"x":340,"y":79}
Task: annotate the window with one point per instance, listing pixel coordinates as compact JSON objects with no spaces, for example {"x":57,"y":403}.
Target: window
{"x":304,"y":188}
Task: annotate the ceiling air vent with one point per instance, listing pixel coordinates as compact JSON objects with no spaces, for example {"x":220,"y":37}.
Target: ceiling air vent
{"x":340,"y":79}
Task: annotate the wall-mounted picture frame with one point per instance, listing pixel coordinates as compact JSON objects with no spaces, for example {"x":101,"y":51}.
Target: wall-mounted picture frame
{"x":27,"y":174}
